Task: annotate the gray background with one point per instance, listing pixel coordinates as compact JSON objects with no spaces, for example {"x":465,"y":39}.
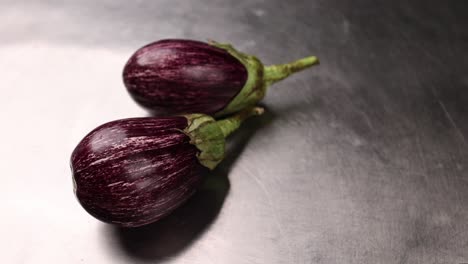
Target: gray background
{"x":363,"y":159}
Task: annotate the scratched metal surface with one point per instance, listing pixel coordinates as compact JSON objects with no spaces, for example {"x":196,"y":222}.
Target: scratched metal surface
{"x":361,"y":160}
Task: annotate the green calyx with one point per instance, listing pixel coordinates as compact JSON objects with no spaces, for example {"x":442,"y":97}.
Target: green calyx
{"x":254,"y":88}
{"x":209,"y":135}
{"x":259,"y":77}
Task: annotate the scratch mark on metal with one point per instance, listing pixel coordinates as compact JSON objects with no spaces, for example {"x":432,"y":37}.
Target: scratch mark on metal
{"x":422,"y":158}
{"x":404,"y":256}
{"x":367,"y":119}
{"x":449,"y":117}
{"x":279,"y":226}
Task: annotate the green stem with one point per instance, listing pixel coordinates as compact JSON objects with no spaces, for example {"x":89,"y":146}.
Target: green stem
{"x":232,"y":123}
{"x":274,"y":73}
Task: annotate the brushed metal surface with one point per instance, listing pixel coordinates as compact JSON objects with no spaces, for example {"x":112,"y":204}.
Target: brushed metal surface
{"x":363,"y":159}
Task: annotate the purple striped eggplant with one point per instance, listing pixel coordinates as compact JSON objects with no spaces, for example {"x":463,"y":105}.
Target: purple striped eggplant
{"x":185,"y":76}
{"x":132,"y":172}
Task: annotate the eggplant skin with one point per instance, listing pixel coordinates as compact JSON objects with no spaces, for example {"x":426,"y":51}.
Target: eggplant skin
{"x":176,"y":76}
{"x":132,"y":172}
